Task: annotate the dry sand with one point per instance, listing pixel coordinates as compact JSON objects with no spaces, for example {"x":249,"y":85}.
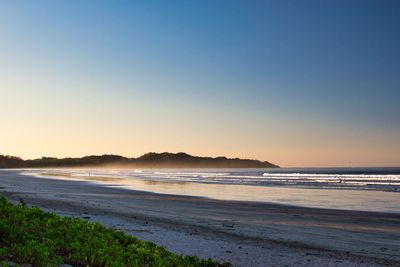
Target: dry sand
{"x":243,"y":233}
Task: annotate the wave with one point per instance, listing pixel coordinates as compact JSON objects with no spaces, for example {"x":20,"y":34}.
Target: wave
{"x":257,"y":177}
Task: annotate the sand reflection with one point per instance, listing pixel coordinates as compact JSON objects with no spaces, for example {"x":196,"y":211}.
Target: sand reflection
{"x":318,"y":198}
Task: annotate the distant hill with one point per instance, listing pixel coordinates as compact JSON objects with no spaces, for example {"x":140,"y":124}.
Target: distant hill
{"x":149,"y":160}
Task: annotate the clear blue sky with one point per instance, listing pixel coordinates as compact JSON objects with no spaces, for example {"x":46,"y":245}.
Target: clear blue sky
{"x":298,"y":83}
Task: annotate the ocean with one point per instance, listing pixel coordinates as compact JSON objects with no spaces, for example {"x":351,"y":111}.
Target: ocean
{"x":367,"y":189}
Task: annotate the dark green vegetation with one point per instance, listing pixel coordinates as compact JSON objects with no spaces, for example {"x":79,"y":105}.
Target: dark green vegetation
{"x":30,"y":235}
{"x":149,"y":160}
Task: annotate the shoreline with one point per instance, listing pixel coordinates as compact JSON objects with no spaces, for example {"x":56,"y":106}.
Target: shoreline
{"x":102,"y":181}
{"x":353,"y":199}
{"x":264,"y":231}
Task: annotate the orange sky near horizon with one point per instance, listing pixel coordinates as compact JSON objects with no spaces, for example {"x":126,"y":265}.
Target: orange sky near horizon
{"x":285,"y":143}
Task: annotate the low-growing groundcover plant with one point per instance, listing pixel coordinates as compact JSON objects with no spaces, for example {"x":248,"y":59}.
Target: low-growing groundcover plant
{"x":30,"y":235}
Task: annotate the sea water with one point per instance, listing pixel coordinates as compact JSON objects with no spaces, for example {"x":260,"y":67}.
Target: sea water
{"x":368,"y":189}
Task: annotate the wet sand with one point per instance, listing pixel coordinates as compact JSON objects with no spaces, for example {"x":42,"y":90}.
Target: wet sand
{"x":244,"y":233}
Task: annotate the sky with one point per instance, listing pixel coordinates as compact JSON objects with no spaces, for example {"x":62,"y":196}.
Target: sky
{"x":295,"y":83}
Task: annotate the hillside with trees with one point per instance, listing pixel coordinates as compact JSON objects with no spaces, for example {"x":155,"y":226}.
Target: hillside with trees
{"x":149,"y":160}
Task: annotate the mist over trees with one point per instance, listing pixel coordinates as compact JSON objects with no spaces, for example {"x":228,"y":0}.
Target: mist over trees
{"x":149,"y":160}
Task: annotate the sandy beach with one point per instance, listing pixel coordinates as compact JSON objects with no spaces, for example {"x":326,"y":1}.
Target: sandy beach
{"x":243,"y":233}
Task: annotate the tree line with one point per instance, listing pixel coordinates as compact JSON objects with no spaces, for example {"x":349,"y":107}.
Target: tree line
{"x":148,"y":160}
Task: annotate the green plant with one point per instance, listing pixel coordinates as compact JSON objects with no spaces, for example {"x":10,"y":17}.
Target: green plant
{"x":30,"y":235}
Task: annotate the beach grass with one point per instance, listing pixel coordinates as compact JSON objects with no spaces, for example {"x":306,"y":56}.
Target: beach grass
{"x":30,"y":235}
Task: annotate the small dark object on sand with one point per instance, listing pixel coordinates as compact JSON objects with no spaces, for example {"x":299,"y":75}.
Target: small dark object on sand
{"x":228,"y":224}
